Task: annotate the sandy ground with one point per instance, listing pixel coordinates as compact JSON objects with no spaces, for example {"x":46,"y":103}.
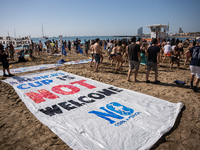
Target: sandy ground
{"x":19,"y":129}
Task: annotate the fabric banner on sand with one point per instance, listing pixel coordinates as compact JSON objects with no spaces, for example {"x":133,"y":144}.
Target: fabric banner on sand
{"x":87,"y":114}
{"x":32,"y":68}
{"x":78,"y":62}
{"x":17,"y":42}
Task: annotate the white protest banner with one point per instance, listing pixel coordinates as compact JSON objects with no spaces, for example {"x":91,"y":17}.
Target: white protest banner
{"x":17,"y":42}
{"x":32,"y":68}
{"x":87,"y":114}
{"x":78,"y":62}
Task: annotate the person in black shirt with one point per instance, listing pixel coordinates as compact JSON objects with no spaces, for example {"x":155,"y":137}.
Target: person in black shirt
{"x":195,"y":65}
{"x":153,"y":54}
{"x":133,"y":51}
{"x":3,"y":58}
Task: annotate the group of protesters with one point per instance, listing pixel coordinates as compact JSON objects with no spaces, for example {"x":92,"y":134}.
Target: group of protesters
{"x":138,"y":51}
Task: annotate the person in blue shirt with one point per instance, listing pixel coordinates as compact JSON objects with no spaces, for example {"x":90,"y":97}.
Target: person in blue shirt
{"x":195,"y":65}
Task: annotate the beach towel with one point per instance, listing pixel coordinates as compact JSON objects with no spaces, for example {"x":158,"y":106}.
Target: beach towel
{"x":61,"y":61}
{"x":179,"y":82}
{"x":64,"y":51}
{"x":80,"y":50}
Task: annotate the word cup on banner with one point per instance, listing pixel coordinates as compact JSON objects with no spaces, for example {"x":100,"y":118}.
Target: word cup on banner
{"x":87,"y":114}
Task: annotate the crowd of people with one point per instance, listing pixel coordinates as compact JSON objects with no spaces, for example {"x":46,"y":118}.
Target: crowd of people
{"x":136,"y":51}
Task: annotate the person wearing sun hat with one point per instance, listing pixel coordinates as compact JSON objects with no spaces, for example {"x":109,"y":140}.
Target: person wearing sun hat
{"x":195,"y":65}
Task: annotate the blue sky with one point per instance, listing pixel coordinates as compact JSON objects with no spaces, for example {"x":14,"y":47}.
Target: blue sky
{"x":95,"y":17}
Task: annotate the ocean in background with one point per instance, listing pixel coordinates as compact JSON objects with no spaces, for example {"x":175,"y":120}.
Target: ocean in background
{"x":82,"y":38}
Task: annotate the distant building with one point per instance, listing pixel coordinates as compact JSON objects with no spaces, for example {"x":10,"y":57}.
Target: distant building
{"x":180,"y":30}
{"x":140,"y":31}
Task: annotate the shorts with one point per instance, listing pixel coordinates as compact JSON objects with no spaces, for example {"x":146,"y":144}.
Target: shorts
{"x":169,"y":54}
{"x":40,"y":49}
{"x":5,"y":63}
{"x":195,"y":70}
{"x":119,"y":54}
{"x":97,"y":58}
{"x":153,"y":65}
{"x":181,"y":49}
{"x":174,"y":58}
{"x":134,"y":64}
{"x":111,"y":55}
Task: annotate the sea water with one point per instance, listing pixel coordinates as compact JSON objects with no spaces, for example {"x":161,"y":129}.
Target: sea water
{"x":82,"y":38}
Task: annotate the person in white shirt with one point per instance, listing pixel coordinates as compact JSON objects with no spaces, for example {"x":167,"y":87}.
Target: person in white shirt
{"x":167,"y":51}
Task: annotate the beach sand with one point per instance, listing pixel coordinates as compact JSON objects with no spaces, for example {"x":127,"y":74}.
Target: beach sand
{"x":19,"y":129}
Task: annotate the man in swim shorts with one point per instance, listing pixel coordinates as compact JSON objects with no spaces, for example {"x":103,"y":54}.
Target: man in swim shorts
{"x":97,"y":51}
{"x":167,"y":51}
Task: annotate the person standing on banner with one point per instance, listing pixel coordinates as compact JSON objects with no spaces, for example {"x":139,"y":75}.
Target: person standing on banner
{"x":97,"y":52}
{"x":3,"y":58}
{"x":153,"y":55}
{"x":195,"y":65}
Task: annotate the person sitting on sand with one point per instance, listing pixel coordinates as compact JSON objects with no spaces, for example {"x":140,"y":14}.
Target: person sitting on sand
{"x":167,"y":51}
{"x":153,"y":59}
{"x":134,"y":53}
{"x":175,"y":57}
{"x":195,"y":65}
{"x":3,"y":58}
{"x":119,"y":59}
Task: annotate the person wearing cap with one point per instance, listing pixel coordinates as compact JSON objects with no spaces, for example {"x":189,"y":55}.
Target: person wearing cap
{"x":167,"y":51}
{"x":195,"y":65}
{"x":153,"y":55}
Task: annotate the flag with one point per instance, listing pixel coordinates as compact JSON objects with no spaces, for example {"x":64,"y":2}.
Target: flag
{"x":80,"y":50}
{"x":63,"y":51}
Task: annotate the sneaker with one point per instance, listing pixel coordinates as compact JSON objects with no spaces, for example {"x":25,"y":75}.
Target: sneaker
{"x":11,"y":75}
{"x":5,"y":75}
{"x":147,"y":81}
{"x":156,"y":82}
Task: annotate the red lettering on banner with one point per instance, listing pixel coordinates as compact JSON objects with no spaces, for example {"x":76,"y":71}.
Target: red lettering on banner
{"x":38,"y":97}
{"x":82,"y":82}
{"x":57,"y":89}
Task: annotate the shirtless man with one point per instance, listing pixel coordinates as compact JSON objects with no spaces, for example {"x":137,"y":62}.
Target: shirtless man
{"x":92,"y":52}
{"x":97,"y":52}
{"x":40,"y":45}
